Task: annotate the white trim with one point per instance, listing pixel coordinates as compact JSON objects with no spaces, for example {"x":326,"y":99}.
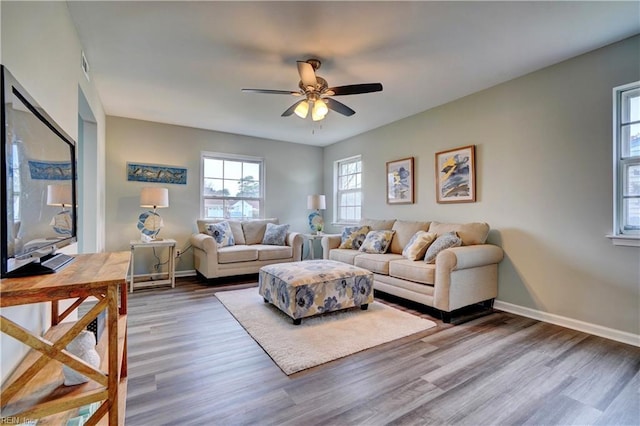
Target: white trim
{"x":187,"y":273}
{"x":625,"y":240}
{"x":597,"y":330}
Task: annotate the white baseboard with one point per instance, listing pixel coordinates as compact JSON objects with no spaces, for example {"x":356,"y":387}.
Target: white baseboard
{"x":597,"y":330}
{"x":188,"y":273}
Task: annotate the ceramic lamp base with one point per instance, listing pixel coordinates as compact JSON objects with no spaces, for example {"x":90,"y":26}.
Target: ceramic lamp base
{"x":316,"y":223}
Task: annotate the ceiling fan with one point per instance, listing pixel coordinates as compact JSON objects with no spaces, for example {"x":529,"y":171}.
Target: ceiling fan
{"x":317,"y":93}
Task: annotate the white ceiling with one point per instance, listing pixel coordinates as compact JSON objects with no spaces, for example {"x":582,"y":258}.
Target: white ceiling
{"x":185,"y":62}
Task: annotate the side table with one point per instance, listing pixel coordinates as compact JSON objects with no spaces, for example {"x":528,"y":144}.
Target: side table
{"x":310,"y":239}
{"x":171,"y":273}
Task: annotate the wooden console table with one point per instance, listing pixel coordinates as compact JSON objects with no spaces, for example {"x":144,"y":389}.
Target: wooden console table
{"x":35,"y":390}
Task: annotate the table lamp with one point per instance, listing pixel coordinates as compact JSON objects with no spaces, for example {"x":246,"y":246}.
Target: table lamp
{"x":60,"y":195}
{"x":150,"y":222}
{"x":316,"y":202}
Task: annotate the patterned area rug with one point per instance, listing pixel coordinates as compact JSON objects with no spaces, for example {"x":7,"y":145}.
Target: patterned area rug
{"x":318,"y":339}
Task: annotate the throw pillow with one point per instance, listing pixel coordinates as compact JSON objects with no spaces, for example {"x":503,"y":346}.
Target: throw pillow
{"x":221,"y":232}
{"x":418,"y":244}
{"x":353,"y":236}
{"x":377,"y":242}
{"x":443,"y":242}
{"x":275,"y":235}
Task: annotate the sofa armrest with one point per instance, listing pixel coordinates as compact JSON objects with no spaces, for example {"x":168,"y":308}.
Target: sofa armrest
{"x":205,"y":243}
{"x":465,"y":257}
{"x":295,"y":240}
{"x":329,"y":242}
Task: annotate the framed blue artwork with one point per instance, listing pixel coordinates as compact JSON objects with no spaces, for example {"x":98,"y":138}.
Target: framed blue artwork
{"x":156,"y":173}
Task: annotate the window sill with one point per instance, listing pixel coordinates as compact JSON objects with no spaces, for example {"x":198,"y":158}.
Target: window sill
{"x":625,"y":240}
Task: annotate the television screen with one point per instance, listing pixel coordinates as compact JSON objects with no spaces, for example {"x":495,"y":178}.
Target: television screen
{"x":38,"y":185}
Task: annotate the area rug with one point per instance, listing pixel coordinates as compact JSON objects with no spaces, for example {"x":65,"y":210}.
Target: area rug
{"x":318,"y":339}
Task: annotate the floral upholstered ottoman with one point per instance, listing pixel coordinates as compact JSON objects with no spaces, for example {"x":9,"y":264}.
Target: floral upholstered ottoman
{"x":311,"y":287}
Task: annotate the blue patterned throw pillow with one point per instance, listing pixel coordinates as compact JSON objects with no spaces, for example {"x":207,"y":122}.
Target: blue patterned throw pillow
{"x":275,"y":235}
{"x":377,"y":242}
{"x":221,"y":232}
{"x":353,"y":236}
{"x":443,"y":242}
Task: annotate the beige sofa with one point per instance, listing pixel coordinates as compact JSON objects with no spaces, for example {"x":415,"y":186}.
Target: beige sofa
{"x":461,"y":276}
{"x":247,"y":255}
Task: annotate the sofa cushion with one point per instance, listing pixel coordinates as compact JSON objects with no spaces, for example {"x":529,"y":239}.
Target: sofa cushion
{"x":275,"y":235}
{"x":418,"y":244}
{"x":272,"y":252}
{"x":404,"y":231}
{"x":378,"y":225}
{"x":236,"y":228}
{"x":254,"y":230}
{"x":353,"y":237}
{"x":443,"y":242}
{"x":344,"y":255}
{"x":237,"y":253}
{"x":221,"y":233}
{"x":410,"y":270}
{"x":470,"y":233}
{"x":377,"y":242}
{"x":376,"y":263}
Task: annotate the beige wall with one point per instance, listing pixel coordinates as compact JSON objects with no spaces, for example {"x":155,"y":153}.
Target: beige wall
{"x":544,"y":183}
{"x":292,"y":172}
{"x":40,"y":47}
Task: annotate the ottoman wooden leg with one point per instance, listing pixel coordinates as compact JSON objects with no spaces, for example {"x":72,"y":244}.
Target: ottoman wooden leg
{"x":297,"y":321}
{"x":364,"y":307}
{"x":265,"y":300}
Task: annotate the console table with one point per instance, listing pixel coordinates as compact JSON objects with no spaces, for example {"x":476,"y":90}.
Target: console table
{"x":35,"y":390}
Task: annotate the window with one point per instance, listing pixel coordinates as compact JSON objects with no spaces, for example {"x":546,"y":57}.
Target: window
{"x":348,"y":190}
{"x":232,"y":187}
{"x":627,"y":160}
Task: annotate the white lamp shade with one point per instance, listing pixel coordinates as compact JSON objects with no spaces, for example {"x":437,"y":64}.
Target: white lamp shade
{"x":154,"y":197}
{"x":316,"y":202}
{"x":59,"y":195}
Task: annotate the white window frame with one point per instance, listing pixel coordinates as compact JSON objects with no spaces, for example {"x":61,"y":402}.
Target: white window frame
{"x":621,"y":235}
{"x":231,"y":157}
{"x":337,"y":192}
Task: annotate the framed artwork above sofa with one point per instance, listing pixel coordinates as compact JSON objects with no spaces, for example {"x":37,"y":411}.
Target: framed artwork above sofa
{"x":456,"y":175}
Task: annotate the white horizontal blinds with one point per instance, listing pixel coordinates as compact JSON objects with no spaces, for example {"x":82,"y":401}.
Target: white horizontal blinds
{"x":349,"y":190}
{"x":627,"y":144}
{"x":232,"y":187}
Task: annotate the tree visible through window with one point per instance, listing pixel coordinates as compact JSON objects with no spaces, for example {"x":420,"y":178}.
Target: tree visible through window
{"x":232,"y":187}
{"x":627,"y":159}
{"x":348,"y":184}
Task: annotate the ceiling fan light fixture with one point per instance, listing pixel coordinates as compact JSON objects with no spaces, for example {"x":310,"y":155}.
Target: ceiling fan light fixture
{"x":302,"y":109}
{"x":319,"y":110}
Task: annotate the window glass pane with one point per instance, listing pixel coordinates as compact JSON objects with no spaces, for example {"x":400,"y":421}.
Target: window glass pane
{"x":231,"y":188}
{"x":248,"y":188}
{"x":213,"y":209}
{"x":357,"y":213}
{"x":213,"y":168}
{"x":632,"y":180}
{"x":358,"y":198}
{"x":232,"y":169}
{"x":630,"y":106}
{"x":630,"y":140}
{"x":631,"y":208}
{"x":213,"y":187}
{"x":251,"y":170}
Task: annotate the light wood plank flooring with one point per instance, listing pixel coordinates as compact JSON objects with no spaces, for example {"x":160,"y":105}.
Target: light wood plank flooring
{"x":191,"y":363}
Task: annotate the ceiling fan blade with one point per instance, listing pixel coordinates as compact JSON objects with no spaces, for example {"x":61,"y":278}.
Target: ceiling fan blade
{"x":339,"y":107}
{"x":272,"y":92}
{"x":307,"y":74}
{"x":292,"y":108}
{"x":354,"y":89}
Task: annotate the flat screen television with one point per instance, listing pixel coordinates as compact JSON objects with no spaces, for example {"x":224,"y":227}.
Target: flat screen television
{"x":39,"y":213}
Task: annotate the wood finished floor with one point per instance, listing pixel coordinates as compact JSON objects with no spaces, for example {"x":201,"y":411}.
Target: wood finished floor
{"x":191,"y":363}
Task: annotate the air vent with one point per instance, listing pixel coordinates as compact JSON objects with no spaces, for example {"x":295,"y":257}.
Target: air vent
{"x":85,"y":66}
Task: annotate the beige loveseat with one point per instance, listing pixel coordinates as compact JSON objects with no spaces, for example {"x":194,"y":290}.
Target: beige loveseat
{"x":461,"y":276}
{"x":247,"y":255}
